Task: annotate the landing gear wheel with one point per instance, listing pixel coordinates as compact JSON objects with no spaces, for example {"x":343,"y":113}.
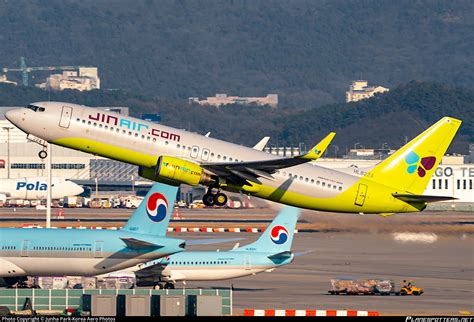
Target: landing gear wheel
{"x":208,"y":199}
{"x":158,"y":286}
{"x":169,"y":286}
{"x":220,"y":199}
{"x":42,"y":154}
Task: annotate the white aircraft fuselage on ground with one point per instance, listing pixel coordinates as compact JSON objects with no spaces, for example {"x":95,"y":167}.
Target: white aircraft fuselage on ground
{"x":36,"y":188}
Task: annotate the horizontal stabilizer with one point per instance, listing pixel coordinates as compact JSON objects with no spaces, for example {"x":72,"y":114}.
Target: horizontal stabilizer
{"x":134,"y":243}
{"x":421,"y":198}
{"x":210,"y":241}
{"x":304,"y":253}
{"x":281,"y":255}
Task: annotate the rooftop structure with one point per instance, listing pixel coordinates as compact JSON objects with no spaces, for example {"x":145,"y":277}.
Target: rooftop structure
{"x":360,"y":90}
{"x":223,"y":99}
{"x":84,"y":79}
{"x":3,"y":79}
{"x":368,"y":154}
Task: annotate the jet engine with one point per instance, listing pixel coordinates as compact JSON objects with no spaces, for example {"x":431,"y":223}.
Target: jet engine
{"x":171,"y":170}
{"x":12,"y":281}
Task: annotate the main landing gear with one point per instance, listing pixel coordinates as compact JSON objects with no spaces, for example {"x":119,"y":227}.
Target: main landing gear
{"x":165,"y":286}
{"x":218,"y":199}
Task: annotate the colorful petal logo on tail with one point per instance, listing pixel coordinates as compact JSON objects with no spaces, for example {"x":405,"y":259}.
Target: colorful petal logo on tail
{"x":157,"y":207}
{"x":414,"y":164}
{"x":279,"y":235}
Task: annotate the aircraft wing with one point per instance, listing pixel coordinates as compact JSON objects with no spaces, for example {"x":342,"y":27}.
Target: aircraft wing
{"x":243,"y":172}
{"x":134,"y":243}
{"x":421,"y":198}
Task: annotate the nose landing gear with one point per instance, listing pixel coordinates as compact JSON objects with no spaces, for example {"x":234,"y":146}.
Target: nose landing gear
{"x":210,"y":199}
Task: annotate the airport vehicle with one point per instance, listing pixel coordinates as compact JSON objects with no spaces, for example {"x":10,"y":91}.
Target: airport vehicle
{"x":409,"y":288}
{"x":174,"y":156}
{"x":347,"y":286}
{"x":56,"y":252}
{"x":36,"y":188}
{"x":197,"y":204}
{"x":133,"y":202}
{"x":271,"y":250}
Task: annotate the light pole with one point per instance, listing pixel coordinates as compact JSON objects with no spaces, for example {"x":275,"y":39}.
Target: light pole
{"x":355,"y":145}
{"x":336,"y":148}
{"x":49,"y":182}
{"x":8,"y":128}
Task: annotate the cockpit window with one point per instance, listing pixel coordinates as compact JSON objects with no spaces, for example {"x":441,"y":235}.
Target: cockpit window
{"x":36,"y":108}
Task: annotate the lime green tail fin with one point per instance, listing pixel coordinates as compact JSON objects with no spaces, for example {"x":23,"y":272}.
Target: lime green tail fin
{"x":411,"y":167}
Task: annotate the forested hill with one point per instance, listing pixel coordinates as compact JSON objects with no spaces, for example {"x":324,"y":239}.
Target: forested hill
{"x":388,"y":118}
{"x":306,"y":51}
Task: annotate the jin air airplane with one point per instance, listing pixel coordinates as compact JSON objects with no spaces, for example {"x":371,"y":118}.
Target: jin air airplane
{"x":53,"y":252}
{"x":173,"y":156}
{"x":35,"y":188}
{"x":271,"y":250}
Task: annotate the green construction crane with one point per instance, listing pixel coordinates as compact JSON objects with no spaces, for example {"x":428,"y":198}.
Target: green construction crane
{"x":25,"y":70}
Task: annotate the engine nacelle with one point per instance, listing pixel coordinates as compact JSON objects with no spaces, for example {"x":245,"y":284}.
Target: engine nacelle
{"x":12,"y":281}
{"x":176,"y":170}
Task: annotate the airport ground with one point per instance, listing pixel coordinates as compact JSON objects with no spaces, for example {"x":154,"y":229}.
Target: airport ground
{"x":436,"y":249}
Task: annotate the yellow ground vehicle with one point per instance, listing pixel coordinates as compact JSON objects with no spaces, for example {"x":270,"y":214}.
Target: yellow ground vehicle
{"x":409,"y":288}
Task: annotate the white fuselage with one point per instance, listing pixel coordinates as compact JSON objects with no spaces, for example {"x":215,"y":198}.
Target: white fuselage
{"x":36,"y":188}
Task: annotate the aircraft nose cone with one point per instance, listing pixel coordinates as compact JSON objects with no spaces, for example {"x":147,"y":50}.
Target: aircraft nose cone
{"x":13,"y":116}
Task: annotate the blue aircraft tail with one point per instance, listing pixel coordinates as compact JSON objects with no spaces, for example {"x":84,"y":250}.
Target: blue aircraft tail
{"x":278,"y":236}
{"x":154,"y":213}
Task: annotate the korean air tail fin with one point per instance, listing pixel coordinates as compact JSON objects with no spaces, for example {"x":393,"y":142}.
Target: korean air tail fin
{"x":153,"y":215}
{"x":278,"y":236}
{"x":411,"y":167}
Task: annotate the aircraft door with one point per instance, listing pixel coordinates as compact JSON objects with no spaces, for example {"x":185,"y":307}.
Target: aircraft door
{"x":25,"y":248}
{"x":361,"y":193}
{"x":98,"y":249}
{"x":247,"y":264}
{"x":194,"y":152}
{"x":205,"y":154}
{"x":65,"y":117}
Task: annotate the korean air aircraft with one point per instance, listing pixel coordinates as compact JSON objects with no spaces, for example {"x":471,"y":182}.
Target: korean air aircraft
{"x":53,"y":252}
{"x":175,"y":156}
{"x":35,"y":188}
{"x":271,"y":250}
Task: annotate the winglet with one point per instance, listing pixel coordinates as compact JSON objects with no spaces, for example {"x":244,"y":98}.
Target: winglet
{"x":318,"y":150}
{"x":261,"y":144}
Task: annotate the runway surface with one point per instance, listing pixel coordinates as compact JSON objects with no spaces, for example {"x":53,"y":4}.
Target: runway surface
{"x":444,"y":269}
{"x":345,"y":245}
